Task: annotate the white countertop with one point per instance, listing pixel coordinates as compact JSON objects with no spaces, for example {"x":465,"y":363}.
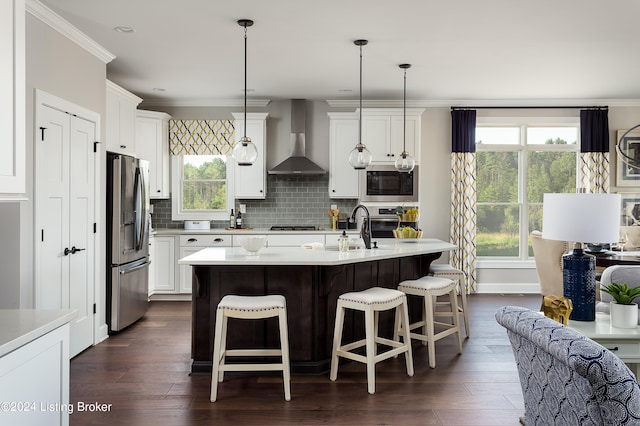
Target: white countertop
{"x":601,"y":329}
{"x":388,"y":249}
{"x":21,"y":326}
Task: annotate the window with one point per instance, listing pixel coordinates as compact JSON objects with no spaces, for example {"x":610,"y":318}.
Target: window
{"x":518,"y":160}
{"x":200,"y":187}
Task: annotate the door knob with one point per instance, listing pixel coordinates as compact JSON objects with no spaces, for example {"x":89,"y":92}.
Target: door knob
{"x":74,"y":250}
{"x":67,"y":251}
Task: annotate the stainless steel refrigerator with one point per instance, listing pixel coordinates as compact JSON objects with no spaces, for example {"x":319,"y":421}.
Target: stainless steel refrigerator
{"x":128,"y":220}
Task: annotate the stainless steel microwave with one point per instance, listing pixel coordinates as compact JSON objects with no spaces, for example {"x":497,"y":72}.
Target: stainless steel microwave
{"x":383,"y":183}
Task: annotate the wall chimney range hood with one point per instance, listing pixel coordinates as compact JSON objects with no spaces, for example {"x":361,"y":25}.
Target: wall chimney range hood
{"x":297,"y":163}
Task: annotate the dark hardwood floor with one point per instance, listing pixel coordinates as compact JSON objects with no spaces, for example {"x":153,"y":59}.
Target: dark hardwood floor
{"x":143,"y":372}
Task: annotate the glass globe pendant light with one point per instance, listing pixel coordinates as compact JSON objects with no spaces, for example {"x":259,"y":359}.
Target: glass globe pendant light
{"x":360,"y":157}
{"x":405,"y":162}
{"x":245,"y":152}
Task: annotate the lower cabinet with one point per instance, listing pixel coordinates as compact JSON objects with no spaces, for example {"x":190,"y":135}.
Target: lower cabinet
{"x":34,"y":381}
{"x":192,"y":243}
{"x":163,"y":263}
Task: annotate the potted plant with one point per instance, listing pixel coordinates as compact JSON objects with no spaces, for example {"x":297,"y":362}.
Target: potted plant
{"x":624,"y":313}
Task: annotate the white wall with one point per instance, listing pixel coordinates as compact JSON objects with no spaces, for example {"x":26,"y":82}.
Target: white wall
{"x":62,"y":68}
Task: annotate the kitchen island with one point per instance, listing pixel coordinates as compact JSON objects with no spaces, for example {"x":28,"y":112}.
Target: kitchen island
{"x":311,"y":281}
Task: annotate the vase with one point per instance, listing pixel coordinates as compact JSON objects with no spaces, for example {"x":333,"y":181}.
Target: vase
{"x":624,"y":316}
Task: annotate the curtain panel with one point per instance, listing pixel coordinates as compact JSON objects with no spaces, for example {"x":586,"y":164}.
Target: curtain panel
{"x":594,"y":150}
{"x":463,"y":193}
{"x":201,"y":137}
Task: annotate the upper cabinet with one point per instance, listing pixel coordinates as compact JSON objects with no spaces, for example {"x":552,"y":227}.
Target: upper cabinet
{"x":383,"y":133}
{"x":251,"y":181}
{"x":121,"y":120}
{"x":152,"y":144}
{"x":12,"y":101}
{"x":343,"y":137}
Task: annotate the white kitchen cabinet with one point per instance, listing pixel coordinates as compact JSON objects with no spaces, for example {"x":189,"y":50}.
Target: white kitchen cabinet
{"x":343,"y":137}
{"x":34,"y":381}
{"x":163,"y":263}
{"x":121,"y":120}
{"x":250,"y":182}
{"x":152,"y":144}
{"x":383,"y":133}
{"x":12,"y":101}
{"x":191,"y":243}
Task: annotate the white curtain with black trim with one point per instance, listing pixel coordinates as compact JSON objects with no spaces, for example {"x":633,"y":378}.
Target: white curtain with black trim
{"x":594,"y":150}
{"x":463,"y":193}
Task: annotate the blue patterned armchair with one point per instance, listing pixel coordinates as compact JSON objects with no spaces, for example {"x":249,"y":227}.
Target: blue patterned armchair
{"x":567,"y":378}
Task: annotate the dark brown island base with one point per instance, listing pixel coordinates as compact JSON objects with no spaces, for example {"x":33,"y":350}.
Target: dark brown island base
{"x":311,"y":281}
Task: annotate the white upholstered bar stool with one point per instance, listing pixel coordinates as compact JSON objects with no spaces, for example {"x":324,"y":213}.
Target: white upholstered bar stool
{"x":250,"y":307}
{"x":371,"y":301}
{"x":429,"y":288}
{"x":448,"y":271}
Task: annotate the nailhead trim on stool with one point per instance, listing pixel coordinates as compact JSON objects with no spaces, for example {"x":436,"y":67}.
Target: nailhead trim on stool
{"x":429,"y":288}
{"x":371,"y":302}
{"x":447,"y":271}
{"x":250,"y":307}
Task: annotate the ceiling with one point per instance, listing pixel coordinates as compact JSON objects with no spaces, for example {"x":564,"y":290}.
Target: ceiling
{"x":460,"y":50}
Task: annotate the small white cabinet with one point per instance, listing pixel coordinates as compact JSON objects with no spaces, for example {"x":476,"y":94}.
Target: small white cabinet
{"x":152,"y":144}
{"x":163,"y":263}
{"x":251,"y":181}
{"x":12,"y":101}
{"x":383,"y":133}
{"x":343,"y":137}
{"x":121,"y":120}
{"x":34,"y":380}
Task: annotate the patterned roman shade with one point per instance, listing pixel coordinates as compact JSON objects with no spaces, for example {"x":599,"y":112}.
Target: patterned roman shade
{"x":201,"y":137}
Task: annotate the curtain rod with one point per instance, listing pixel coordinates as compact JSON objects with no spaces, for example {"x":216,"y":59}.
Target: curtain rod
{"x":454,"y":108}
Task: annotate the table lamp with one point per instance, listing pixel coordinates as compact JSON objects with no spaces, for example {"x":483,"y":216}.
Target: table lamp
{"x":581,"y":218}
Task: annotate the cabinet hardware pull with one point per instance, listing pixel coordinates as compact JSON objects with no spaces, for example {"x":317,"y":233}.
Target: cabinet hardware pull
{"x":192,"y":240}
{"x":218,"y":240}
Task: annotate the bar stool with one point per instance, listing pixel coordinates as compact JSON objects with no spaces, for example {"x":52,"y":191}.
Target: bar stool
{"x":371,"y":302}
{"x":448,"y":271}
{"x":429,"y":288}
{"x":250,"y":307}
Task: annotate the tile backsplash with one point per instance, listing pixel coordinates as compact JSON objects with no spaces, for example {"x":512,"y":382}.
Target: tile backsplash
{"x":291,"y":200}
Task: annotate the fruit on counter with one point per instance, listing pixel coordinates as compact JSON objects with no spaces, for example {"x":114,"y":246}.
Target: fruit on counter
{"x":411,"y":210}
{"x":407,"y":232}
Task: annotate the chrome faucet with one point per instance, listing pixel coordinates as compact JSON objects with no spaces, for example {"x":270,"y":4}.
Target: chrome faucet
{"x":365,"y":229}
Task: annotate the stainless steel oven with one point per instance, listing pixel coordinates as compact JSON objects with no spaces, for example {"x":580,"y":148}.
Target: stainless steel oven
{"x":383,"y":183}
{"x":383,"y":221}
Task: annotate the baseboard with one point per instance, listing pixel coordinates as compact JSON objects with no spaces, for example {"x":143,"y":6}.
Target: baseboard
{"x":171,"y":297}
{"x":500,"y":288}
{"x":102,"y":334}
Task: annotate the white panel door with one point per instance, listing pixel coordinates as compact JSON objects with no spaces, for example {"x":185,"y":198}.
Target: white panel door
{"x":65,"y":219}
{"x":81,"y":235}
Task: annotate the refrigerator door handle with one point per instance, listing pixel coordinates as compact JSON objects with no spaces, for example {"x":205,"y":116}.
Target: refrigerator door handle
{"x":126,"y":271}
{"x":140,"y":207}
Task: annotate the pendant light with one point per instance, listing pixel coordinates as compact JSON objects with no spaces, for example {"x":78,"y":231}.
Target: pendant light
{"x":360,"y":157}
{"x":405,"y":162}
{"x":245,"y":151}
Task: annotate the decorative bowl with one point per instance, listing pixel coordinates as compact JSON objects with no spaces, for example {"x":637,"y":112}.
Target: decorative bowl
{"x":400,"y":235}
{"x":253,"y":243}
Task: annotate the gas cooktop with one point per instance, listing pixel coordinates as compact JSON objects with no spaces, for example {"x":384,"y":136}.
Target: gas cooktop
{"x":293,"y":228}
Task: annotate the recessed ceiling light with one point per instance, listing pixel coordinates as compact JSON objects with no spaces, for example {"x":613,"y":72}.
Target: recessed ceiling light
{"x":345,"y":90}
{"x":159,"y":89}
{"x":123,"y":29}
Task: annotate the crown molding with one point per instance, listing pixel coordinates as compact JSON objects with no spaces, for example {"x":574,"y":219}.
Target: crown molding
{"x":225,"y":103}
{"x":58,"y":23}
{"x":447,"y":103}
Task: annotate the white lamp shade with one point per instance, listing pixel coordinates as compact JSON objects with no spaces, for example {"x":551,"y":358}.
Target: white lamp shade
{"x":581,"y":218}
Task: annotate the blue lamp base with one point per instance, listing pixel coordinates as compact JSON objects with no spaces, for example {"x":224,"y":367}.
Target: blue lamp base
{"x":579,"y":277}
